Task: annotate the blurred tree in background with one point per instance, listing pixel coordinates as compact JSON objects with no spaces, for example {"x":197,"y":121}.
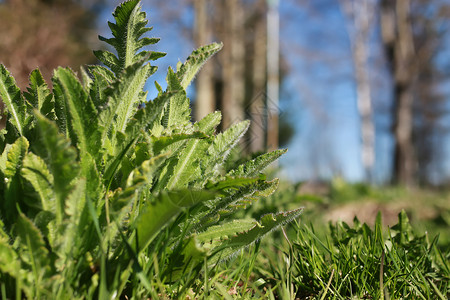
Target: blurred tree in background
{"x":412,"y":36}
{"x":46,"y":34}
{"x":412,"y":70}
{"x":236,"y":82}
{"x":361,"y":22}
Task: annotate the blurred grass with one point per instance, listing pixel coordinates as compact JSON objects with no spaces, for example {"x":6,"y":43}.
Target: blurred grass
{"x":428,"y":210}
{"x":330,"y":254}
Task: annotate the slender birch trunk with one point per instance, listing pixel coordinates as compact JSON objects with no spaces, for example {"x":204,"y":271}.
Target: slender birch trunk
{"x":361,"y":14}
{"x":273,"y":76}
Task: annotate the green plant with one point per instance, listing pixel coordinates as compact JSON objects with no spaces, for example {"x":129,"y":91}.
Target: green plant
{"x":357,"y":262}
{"x":106,"y":193}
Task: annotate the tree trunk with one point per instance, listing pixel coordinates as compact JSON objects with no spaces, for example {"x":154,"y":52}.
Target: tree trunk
{"x":361,"y":13}
{"x":257,"y":107}
{"x":233,"y":64}
{"x":273,"y":77}
{"x":399,"y":46}
{"x":205,"y":99}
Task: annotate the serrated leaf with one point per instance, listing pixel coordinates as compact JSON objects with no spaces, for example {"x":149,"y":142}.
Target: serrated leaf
{"x":39,"y":95}
{"x":113,"y":165}
{"x":162,"y":210}
{"x":109,"y":59}
{"x":187,"y":71}
{"x":62,"y":161}
{"x":102,"y":78}
{"x":15,"y":157}
{"x":227,"y":203}
{"x":223,"y":143}
{"x":124,"y":100}
{"x":105,"y":73}
{"x":81,"y":112}
{"x":230,"y":182}
{"x":209,"y":123}
{"x":94,"y":186}
{"x":146,"y":170}
{"x":13,"y":191}
{"x":149,"y":117}
{"x":127,"y":31}
{"x":74,"y":208}
{"x":76,"y":200}
{"x":4,"y":157}
{"x":9,"y":261}
{"x":12,"y":98}
{"x":32,"y":240}
{"x":257,"y":165}
{"x":36,"y":172}
{"x":160,"y":143}
{"x":224,"y":231}
{"x":244,"y":239}
{"x":177,"y":112}
{"x":187,"y":168}
{"x":269,"y":189}
{"x":85,"y":79}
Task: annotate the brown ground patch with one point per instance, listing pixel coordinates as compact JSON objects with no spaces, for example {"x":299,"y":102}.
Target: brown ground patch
{"x":367,"y":212}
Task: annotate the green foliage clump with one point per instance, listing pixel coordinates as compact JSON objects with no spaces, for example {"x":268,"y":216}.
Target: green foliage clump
{"x":105,"y":193}
{"x":357,"y":262}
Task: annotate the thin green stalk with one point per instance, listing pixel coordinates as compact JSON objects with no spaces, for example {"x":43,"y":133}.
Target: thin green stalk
{"x":328,"y":286}
{"x":381,"y":276}
{"x":3,"y":289}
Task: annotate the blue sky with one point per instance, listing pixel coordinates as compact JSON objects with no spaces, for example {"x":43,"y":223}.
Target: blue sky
{"x":322,"y":102}
{"x":318,"y":92}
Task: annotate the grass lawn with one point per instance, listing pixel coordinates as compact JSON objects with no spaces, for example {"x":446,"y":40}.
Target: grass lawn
{"x":400,"y":253}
